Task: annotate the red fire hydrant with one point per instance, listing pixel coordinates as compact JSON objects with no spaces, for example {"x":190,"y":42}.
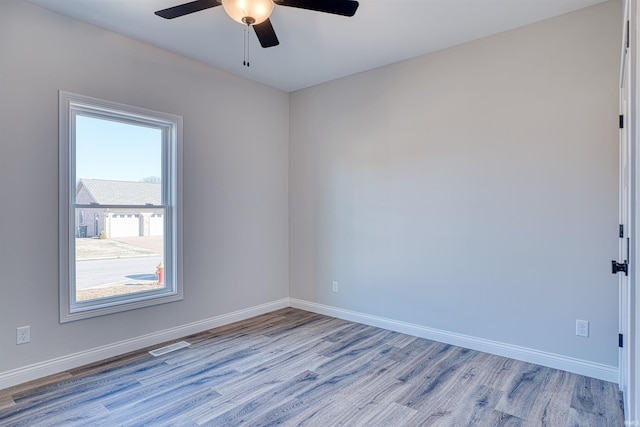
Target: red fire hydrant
{"x":160,"y":273}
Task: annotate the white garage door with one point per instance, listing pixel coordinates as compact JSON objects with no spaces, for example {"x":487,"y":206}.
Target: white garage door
{"x":156,"y":225}
{"x":126,"y":225}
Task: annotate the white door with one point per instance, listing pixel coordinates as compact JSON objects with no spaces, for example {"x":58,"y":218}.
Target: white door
{"x":124,"y":225}
{"x":627,"y":244}
{"x":156,"y":225}
{"x":625,"y":232}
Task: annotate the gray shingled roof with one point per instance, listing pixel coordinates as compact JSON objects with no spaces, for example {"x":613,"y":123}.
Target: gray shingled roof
{"x":122,"y":192}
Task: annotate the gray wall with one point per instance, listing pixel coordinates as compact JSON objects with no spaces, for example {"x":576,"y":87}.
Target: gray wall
{"x":472,"y":190}
{"x":235,"y":184}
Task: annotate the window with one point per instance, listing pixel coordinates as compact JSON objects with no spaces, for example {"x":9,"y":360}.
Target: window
{"x":120,"y":166}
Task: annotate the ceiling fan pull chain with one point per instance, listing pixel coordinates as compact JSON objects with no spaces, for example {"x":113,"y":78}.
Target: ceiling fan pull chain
{"x":246,"y":46}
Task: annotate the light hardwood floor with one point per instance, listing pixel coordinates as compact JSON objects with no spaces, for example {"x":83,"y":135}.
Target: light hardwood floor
{"x":296,"y":368}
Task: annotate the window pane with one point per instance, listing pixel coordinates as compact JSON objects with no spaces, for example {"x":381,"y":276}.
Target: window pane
{"x":119,"y":207}
{"x":112,"y":150}
{"x":119,"y":253}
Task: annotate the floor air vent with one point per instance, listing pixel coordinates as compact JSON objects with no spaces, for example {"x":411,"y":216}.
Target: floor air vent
{"x":168,"y":349}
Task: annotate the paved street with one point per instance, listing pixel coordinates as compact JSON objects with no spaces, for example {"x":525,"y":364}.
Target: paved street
{"x":116,"y":271}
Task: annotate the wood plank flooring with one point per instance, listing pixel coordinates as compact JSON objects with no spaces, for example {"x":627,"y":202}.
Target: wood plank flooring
{"x":296,"y":368}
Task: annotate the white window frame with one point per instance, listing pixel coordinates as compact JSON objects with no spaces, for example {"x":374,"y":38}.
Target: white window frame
{"x":71,"y":105}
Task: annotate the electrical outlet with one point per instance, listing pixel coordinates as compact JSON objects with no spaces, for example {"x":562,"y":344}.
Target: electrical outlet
{"x":582,"y":328}
{"x":23,"y":334}
{"x":334,"y":287}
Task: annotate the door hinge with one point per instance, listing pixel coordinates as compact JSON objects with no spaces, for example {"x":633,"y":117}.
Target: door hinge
{"x":620,"y":340}
{"x":621,"y":231}
{"x":621,"y":121}
{"x":616,"y":267}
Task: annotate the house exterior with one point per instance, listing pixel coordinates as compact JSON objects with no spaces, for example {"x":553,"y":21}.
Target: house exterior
{"x":118,"y":222}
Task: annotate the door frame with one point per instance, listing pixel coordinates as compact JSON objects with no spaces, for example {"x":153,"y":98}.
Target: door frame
{"x":630,"y":306}
{"x":624,"y":211}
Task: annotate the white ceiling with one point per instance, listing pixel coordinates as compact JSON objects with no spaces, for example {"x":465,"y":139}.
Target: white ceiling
{"x":315,"y":47}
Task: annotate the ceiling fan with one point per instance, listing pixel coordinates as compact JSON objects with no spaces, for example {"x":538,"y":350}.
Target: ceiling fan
{"x":255,"y":13}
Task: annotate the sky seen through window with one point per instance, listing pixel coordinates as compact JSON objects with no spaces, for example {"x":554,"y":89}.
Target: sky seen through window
{"x":113,"y":150}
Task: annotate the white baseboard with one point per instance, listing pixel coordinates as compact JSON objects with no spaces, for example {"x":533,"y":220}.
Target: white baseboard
{"x":551,"y":360}
{"x":60,"y":364}
{"x":53,"y":366}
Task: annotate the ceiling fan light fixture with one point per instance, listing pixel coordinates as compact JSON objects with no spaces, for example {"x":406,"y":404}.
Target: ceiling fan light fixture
{"x":248,"y":12}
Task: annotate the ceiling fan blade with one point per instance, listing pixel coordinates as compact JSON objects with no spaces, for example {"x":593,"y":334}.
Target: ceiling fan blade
{"x":337,"y":7}
{"x":187,"y":8}
{"x":266,"y":34}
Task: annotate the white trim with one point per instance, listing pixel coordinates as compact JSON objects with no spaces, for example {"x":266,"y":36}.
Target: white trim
{"x":565,"y":363}
{"x":72,"y":105}
{"x":632,"y":341}
{"x":60,"y":364}
{"x":625,"y":188}
{"x":630,"y":310}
